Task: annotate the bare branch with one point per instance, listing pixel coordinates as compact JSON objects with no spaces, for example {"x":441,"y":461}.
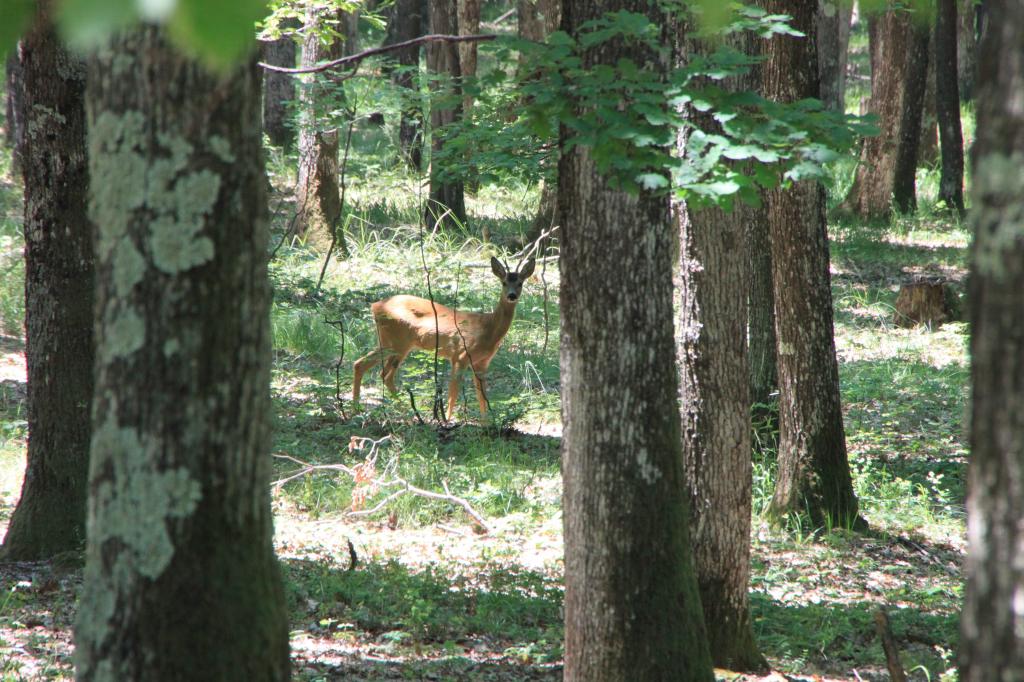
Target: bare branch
{"x":360,"y":56}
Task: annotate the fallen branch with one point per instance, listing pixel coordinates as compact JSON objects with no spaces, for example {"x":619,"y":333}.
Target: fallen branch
{"x":360,"y":56}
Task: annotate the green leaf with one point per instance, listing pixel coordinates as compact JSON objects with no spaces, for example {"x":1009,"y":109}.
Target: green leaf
{"x":219,"y":31}
{"x":652,"y":181}
{"x":16,"y":16}
{"x":88,"y":23}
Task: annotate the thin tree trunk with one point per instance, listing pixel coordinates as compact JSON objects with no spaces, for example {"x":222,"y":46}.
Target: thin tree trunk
{"x":947,"y":102}
{"x":406,"y":23}
{"x":278,"y":91}
{"x":870,"y":195}
{"x":915,"y":83}
{"x":181,"y":582}
{"x":469,"y":24}
{"x":317,"y":195}
{"x":928,"y":149}
{"x":992,"y":622}
{"x":764,"y":377}
{"x":50,"y":516}
{"x":833,"y":40}
{"x":967,"y":51}
{"x":447,"y":194}
{"x":632,"y":609}
{"x":814,"y":476}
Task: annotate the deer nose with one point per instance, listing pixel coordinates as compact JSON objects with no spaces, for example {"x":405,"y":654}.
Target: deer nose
{"x":512,"y":296}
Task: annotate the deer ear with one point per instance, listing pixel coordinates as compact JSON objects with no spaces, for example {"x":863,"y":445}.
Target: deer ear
{"x":498,"y":269}
{"x":527,"y":270}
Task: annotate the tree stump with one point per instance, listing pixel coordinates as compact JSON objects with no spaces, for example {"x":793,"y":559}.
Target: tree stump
{"x":927,"y":302}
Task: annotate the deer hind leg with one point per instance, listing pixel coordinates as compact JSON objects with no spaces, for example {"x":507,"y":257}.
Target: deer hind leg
{"x":391,"y":364}
{"x":361,"y":366}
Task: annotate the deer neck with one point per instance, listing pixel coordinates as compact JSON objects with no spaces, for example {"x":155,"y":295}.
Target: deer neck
{"x":501,"y":320}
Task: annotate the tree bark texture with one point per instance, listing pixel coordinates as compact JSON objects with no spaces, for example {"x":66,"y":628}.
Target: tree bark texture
{"x":13,"y":108}
{"x":947,"y":104}
{"x":50,"y":516}
{"x":992,"y":622}
{"x":967,"y":50}
{"x":632,"y":608}
{"x":889,"y":35}
{"x":764,"y":376}
{"x":834,"y":18}
{"x":715,"y":399}
{"x":317,"y":195}
{"x":278,"y":90}
{"x":447,"y":195}
{"x":904,"y":188}
{"x":469,"y":24}
{"x":181,"y":582}
{"x":406,"y":23}
{"x":814,"y":475}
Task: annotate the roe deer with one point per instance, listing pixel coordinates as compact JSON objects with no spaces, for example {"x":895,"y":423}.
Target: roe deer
{"x":467,"y":339}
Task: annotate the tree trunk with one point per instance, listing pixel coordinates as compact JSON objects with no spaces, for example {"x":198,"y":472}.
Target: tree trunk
{"x":278,"y":91}
{"x":872,"y":190}
{"x":181,"y":582}
{"x":447,"y":195}
{"x":407,"y":23}
{"x":814,"y":475}
{"x":833,"y":42}
{"x":928,"y":149}
{"x":14,"y":108}
{"x":632,"y":609}
{"x":715,"y":399}
{"x":50,"y":516}
{"x":317,"y":195}
{"x":947,"y":103}
{"x":992,"y":623}
{"x":904,"y":187}
{"x":469,"y":24}
{"x":967,"y":51}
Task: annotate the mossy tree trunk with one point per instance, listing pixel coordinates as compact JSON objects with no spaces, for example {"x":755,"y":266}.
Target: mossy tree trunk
{"x":407,"y":21}
{"x":715,"y":401}
{"x":992,"y":623}
{"x":814,"y":479}
{"x":967,"y":48}
{"x":947,"y":104}
{"x":181,"y":581}
{"x":447,"y":193}
{"x":13,"y":109}
{"x":50,"y":516}
{"x":632,"y":608}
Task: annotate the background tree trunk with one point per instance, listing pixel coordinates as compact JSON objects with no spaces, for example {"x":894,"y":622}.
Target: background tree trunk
{"x":14,"y":109}
{"x":715,"y":400}
{"x":469,"y":23}
{"x":632,"y":609}
{"x":407,"y":23}
{"x":915,"y":83}
{"x":814,"y":475}
{"x":446,"y":194}
{"x":278,"y":90}
{"x":181,"y":582}
{"x":890,"y":37}
{"x":967,"y":51}
{"x":317,"y":196}
{"x":928,"y":148}
{"x":50,"y":516}
{"x":833,"y":42}
{"x":947,"y":102}
{"x":992,"y":624}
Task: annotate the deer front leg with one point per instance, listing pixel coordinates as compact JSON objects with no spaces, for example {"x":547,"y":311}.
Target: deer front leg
{"x":480,"y":382}
{"x":360,"y":368}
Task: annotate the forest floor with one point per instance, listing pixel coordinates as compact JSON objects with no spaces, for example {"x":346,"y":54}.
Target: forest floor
{"x":413,"y":590}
